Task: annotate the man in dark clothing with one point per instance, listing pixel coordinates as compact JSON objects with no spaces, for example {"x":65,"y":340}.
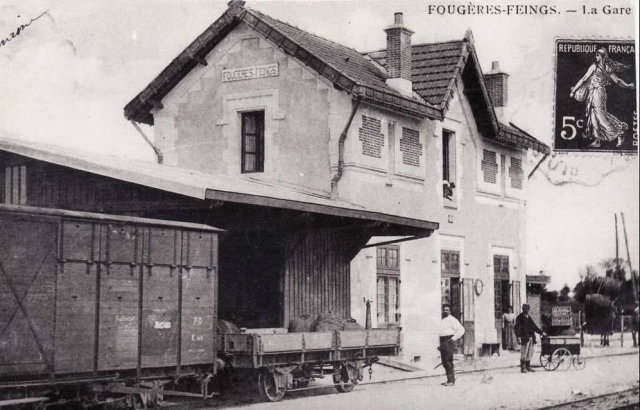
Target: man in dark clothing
{"x":526,"y":330}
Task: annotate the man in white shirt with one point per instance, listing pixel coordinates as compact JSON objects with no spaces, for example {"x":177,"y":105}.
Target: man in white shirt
{"x":450,"y":331}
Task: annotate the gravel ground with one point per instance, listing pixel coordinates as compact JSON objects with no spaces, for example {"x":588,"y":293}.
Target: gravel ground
{"x":491,"y":389}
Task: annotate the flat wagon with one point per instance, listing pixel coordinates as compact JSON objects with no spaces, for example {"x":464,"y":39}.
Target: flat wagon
{"x":289,"y":361}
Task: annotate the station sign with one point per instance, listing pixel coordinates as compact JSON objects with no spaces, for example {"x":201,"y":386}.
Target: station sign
{"x":250,"y":73}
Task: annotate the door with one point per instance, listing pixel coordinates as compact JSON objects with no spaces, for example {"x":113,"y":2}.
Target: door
{"x":75,"y":333}
{"x":28,"y":262}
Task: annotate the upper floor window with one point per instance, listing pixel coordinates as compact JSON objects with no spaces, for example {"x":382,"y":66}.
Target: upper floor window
{"x":253,"y":141}
{"x":15,"y":185}
{"x":501,"y":174}
{"x":448,"y":163}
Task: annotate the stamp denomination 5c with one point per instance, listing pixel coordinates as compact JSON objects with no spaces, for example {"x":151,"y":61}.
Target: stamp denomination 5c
{"x":595,"y":101}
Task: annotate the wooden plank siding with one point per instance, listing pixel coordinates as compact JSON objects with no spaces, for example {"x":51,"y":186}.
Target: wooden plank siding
{"x":316,"y":275}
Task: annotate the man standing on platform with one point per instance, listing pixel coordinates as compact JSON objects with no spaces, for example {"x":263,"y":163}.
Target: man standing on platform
{"x":450,"y":331}
{"x":526,"y":330}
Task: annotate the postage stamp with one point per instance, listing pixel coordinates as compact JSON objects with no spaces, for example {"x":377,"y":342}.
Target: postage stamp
{"x":595,"y":97}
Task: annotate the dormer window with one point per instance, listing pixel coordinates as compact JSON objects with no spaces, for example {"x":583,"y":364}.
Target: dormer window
{"x":253,"y":142}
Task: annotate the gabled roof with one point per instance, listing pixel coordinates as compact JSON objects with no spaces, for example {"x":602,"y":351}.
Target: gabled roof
{"x":205,"y":186}
{"x":346,"y":68}
{"x":433,"y":68}
{"x":436,"y":70}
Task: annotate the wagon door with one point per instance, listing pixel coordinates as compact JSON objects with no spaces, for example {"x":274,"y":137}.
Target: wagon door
{"x":160,"y":293}
{"x":27,"y":291}
{"x":119,"y":280}
{"x":76,"y":298}
{"x":198,"y":297}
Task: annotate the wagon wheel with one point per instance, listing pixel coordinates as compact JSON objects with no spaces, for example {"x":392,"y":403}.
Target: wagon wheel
{"x":268,"y":386}
{"x":545,"y":361}
{"x":342,"y":380}
{"x":579,"y":362}
{"x":137,"y":402}
{"x":561,"y":357}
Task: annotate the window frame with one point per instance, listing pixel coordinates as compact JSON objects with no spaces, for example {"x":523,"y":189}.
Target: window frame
{"x":259,"y":145}
{"x":449,"y":156}
{"x":445,"y":259}
{"x":501,"y":283}
{"x":388,"y":270}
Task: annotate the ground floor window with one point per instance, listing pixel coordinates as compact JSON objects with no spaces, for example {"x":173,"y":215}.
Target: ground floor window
{"x":501,"y":297}
{"x":501,"y":272}
{"x":450,"y":291}
{"x":450,"y":280}
{"x":388,"y":300}
{"x":388,"y":292}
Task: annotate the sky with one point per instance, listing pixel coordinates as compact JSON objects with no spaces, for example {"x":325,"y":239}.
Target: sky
{"x":67,"y":76}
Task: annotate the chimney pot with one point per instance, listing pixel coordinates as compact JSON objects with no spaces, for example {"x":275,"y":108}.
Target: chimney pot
{"x":495,"y":67}
{"x":397,"y":19}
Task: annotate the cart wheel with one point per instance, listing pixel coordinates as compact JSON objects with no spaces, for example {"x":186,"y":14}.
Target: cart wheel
{"x":341,"y":380}
{"x":579,"y":362}
{"x":268,"y":386}
{"x":561,"y":358}
{"x":546,"y":363}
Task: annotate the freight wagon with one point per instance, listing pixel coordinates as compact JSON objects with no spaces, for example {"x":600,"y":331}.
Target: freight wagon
{"x":114,"y":310}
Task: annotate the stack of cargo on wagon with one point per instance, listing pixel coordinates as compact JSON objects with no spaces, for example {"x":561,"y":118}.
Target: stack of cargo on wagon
{"x":100,"y":309}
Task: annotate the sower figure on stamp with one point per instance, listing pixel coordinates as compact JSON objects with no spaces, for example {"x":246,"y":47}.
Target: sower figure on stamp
{"x":450,"y":331}
{"x":600,"y":125}
{"x":526,"y":330}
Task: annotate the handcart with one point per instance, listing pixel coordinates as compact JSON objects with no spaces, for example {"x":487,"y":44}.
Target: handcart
{"x":561,"y":352}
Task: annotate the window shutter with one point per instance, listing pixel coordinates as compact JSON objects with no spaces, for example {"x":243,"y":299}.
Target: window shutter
{"x":489,"y":166}
{"x":468,"y":299}
{"x":515,"y":296}
{"x":516,"y":173}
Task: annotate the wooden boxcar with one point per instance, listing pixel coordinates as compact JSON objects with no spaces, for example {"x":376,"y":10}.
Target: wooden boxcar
{"x":110,"y":300}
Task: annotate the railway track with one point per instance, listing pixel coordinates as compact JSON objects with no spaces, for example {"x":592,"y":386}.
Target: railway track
{"x":621,"y":400}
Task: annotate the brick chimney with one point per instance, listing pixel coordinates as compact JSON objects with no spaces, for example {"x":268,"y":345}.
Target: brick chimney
{"x":497,"y":86}
{"x":399,"y":56}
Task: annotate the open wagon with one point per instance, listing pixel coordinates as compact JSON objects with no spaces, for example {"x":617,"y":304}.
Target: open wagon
{"x":284,"y":362}
{"x":561,"y":352}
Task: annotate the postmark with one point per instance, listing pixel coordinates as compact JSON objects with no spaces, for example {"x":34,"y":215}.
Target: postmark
{"x":595,"y":96}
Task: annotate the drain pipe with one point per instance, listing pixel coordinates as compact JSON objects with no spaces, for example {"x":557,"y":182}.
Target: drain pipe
{"x":155,"y":149}
{"x":343,"y":136}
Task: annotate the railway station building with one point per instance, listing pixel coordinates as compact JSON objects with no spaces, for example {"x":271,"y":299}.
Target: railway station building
{"x":340,"y":177}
